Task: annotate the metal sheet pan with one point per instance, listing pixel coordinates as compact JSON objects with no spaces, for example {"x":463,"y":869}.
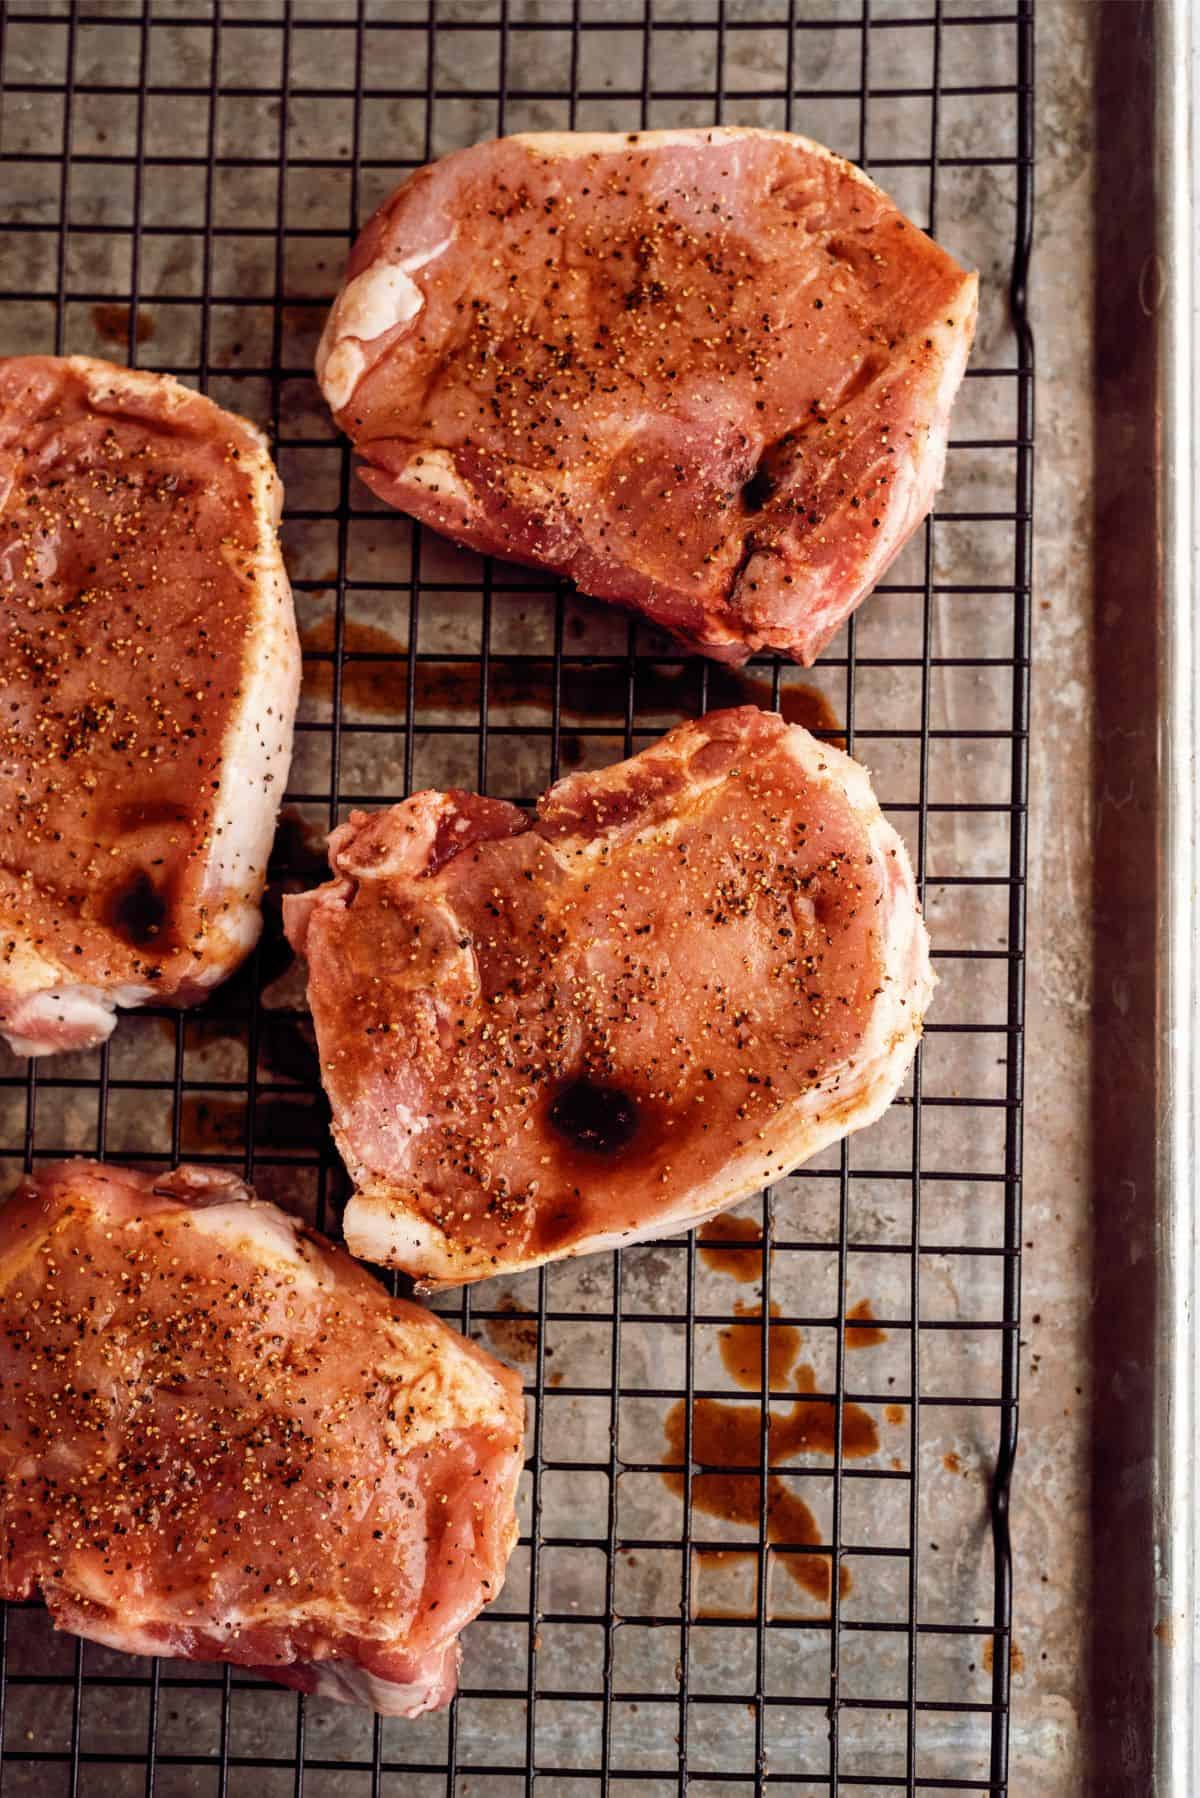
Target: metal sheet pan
{"x":1143,"y":1632}
{"x":1177,"y":1409}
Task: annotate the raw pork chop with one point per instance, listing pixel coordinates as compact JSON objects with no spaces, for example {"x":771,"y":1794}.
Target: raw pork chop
{"x":543,"y":1036}
{"x":148,"y":678}
{"x":707,"y":373}
{"x":221,"y":1439}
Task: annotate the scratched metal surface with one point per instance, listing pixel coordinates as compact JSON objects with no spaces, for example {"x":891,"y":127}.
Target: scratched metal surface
{"x":179,"y":187}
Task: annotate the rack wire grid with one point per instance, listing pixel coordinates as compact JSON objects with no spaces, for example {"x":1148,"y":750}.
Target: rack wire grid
{"x":180,"y":182}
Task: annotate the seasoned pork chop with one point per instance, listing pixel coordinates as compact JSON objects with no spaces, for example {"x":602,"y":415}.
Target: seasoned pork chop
{"x":220,"y":1439}
{"x":707,"y":373}
{"x":681,"y":977}
{"x":149,"y":670}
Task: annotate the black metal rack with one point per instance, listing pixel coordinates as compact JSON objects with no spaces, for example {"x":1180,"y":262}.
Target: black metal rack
{"x":178,"y":181}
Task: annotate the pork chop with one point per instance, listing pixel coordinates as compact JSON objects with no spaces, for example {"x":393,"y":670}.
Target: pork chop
{"x":220,"y":1439}
{"x":553,"y":1034}
{"x":706,"y":373}
{"x":149,"y":670}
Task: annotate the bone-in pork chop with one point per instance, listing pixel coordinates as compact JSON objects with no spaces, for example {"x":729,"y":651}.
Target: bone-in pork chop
{"x":220,"y":1439}
{"x":552,"y":1034}
{"x":706,"y":373}
{"x":148,"y":677}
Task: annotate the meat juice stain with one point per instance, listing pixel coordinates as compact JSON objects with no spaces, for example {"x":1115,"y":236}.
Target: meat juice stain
{"x":381,"y":687}
{"x":861,"y":1331}
{"x":811,"y":1426}
{"x":112,"y":323}
{"x":717,"y":1240}
{"x":729,"y":1435}
{"x":515,"y":1335}
{"x":1016,"y":1658}
{"x":725,"y":1435}
{"x":216,"y":1124}
{"x":741,"y":1347}
{"x":303,"y":321}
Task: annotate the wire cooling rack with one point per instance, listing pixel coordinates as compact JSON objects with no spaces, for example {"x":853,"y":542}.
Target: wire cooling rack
{"x":179,"y":181}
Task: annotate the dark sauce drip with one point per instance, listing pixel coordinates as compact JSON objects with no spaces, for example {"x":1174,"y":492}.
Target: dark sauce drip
{"x":299,"y":848}
{"x":137,"y":911}
{"x":811,"y":1424}
{"x":594,"y":1119}
{"x":717,"y":1238}
{"x":112,"y":322}
{"x":301,"y":320}
{"x":380,"y":686}
{"x":1016,"y":1657}
{"x":861,"y":1330}
{"x":514,"y":1334}
{"x":281,"y":1124}
{"x":742,"y":1349}
{"x":286,"y":1045}
{"x":728,"y":1435}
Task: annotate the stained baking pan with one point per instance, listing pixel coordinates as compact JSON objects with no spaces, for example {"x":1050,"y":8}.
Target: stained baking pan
{"x":178,"y":184}
{"x":1143,"y":1665}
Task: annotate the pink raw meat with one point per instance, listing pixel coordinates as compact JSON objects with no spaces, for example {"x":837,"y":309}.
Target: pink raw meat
{"x":705,"y":373}
{"x":220,"y":1439}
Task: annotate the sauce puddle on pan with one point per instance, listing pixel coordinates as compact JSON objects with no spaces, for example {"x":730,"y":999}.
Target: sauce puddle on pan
{"x":378,"y":685}
{"x":728,"y":1434}
{"x":112,"y":322}
{"x":861,"y":1329}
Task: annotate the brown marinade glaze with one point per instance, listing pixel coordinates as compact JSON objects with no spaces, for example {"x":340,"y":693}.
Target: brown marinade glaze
{"x":593,"y":1119}
{"x":125,"y":815}
{"x":137,"y":911}
{"x":121,"y":642}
